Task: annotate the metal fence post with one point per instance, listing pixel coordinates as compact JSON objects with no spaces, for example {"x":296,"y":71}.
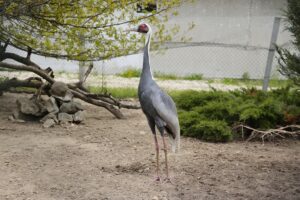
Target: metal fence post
{"x":271,"y":53}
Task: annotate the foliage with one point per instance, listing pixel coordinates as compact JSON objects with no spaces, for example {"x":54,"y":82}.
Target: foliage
{"x":81,"y":30}
{"x":255,"y":82}
{"x":194,"y":125}
{"x":194,"y":77}
{"x":130,"y":73}
{"x":211,"y":115}
{"x":120,"y":93}
{"x":133,"y":73}
{"x":164,"y":76}
{"x":290,"y":62}
{"x":245,"y":76}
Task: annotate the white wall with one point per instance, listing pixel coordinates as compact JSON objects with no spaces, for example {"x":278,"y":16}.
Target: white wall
{"x":238,"y":22}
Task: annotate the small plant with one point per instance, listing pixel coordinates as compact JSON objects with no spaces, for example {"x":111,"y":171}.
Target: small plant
{"x":130,"y":73}
{"x":163,"y":76}
{"x":194,"y":77}
{"x":231,"y":81}
{"x":245,"y":76}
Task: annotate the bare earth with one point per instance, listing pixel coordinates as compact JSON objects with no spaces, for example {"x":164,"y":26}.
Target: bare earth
{"x":106,"y":158}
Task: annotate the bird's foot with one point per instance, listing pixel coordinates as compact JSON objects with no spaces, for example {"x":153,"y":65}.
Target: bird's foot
{"x":157,"y":179}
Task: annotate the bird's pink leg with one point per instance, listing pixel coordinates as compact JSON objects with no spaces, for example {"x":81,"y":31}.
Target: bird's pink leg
{"x":166,"y":158}
{"x":157,"y":157}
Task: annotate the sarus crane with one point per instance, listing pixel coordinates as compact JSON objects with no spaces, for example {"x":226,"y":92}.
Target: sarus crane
{"x":158,"y":106}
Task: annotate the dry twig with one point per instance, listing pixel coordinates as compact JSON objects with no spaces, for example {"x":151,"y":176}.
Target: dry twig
{"x":271,"y":134}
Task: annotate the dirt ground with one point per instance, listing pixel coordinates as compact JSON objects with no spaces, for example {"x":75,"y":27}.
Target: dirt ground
{"x":106,"y":158}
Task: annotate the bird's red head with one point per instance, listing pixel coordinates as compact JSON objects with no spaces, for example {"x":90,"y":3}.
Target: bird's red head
{"x":143,"y":28}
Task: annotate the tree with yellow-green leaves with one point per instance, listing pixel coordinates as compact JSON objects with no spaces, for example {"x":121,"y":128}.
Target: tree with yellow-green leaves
{"x":82,"y":30}
{"x":57,"y":28}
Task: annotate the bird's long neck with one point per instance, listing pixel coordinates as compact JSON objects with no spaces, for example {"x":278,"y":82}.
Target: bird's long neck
{"x":146,"y":72}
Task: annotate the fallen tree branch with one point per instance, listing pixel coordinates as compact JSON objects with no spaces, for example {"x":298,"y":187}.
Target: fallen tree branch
{"x":29,"y":68}
{"x":271,"y":134}
{"x":106,"y":101}
{"x":14,"y":82}
{"x":116,"y":112}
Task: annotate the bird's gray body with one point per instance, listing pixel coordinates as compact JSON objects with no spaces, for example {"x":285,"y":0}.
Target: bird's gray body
{"x":158,"y":106}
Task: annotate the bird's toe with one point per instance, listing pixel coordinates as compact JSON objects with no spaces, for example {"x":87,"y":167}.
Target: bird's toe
{"x":157,"y":179}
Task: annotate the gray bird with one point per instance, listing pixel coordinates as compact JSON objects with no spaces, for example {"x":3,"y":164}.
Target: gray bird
{"x":159,"y":108}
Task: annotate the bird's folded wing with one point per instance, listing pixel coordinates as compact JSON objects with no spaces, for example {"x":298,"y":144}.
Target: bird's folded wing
{"x":165,"y":107}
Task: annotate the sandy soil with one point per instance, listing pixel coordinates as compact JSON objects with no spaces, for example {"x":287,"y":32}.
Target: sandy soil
{"x":106,"y":158}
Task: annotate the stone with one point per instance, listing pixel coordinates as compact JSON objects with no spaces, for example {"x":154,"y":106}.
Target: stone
{"x":79,"y":116}
{"x":29,"y":107}
{"x":49,"y":123}
{"x":60,"y":90}
{"x":65,"y":117}
{"x":70,"y":107}
{"x":49,"y":116}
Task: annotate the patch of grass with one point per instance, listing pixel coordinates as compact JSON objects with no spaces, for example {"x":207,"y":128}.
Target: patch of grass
{"x":135,"y":73}
{"x":121,"y":93}
{"x":130,"y":73}
{"x":255,"y":82}
{"x":193,"y":77}
{"x":163,"y":76}
{"x":231,"y":81}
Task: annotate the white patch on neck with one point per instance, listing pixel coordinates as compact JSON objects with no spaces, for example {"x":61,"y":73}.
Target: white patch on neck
{"x":148,"y":39}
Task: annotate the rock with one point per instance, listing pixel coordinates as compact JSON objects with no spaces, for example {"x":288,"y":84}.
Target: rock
{"x":70,"y":107}
{"x":65,"y":117}
{"x":49,"y":123}
{"x":49,"y":116}
{"x":79,"y":116}
{"x":60,"y":90}
{"x":51,"y":105}
{"x":29,"y":107}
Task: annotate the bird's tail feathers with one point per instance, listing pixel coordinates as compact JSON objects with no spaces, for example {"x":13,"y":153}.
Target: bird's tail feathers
{"x":175,"y":142}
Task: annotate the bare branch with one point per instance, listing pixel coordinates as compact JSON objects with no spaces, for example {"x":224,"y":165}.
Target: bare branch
{"x":30,"y":68}
{"x":14,"y":82}
{"x":28,"y":53}
{"x":107,"y":103}
{"x":116,"y":112}
{"x":19,"y":59}
{"x":282,"y":132}
{"x":87,"y":73}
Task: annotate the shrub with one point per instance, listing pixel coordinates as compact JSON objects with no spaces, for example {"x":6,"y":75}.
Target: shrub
{"x":210,"y":130}
{"x":130,"y":73}
{"x":190,"y":98}
{"x":209,"y":115}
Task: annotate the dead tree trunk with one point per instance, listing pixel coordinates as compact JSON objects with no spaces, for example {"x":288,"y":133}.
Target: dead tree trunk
{"x":77,"y":89}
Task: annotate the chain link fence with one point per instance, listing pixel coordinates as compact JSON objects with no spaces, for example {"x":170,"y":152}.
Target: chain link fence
{"x":211,"y":59}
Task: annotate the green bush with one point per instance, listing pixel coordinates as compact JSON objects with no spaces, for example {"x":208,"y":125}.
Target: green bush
{"x":189,"y":99}
{"x":209,"y":130}
{"x":209,"y":115}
